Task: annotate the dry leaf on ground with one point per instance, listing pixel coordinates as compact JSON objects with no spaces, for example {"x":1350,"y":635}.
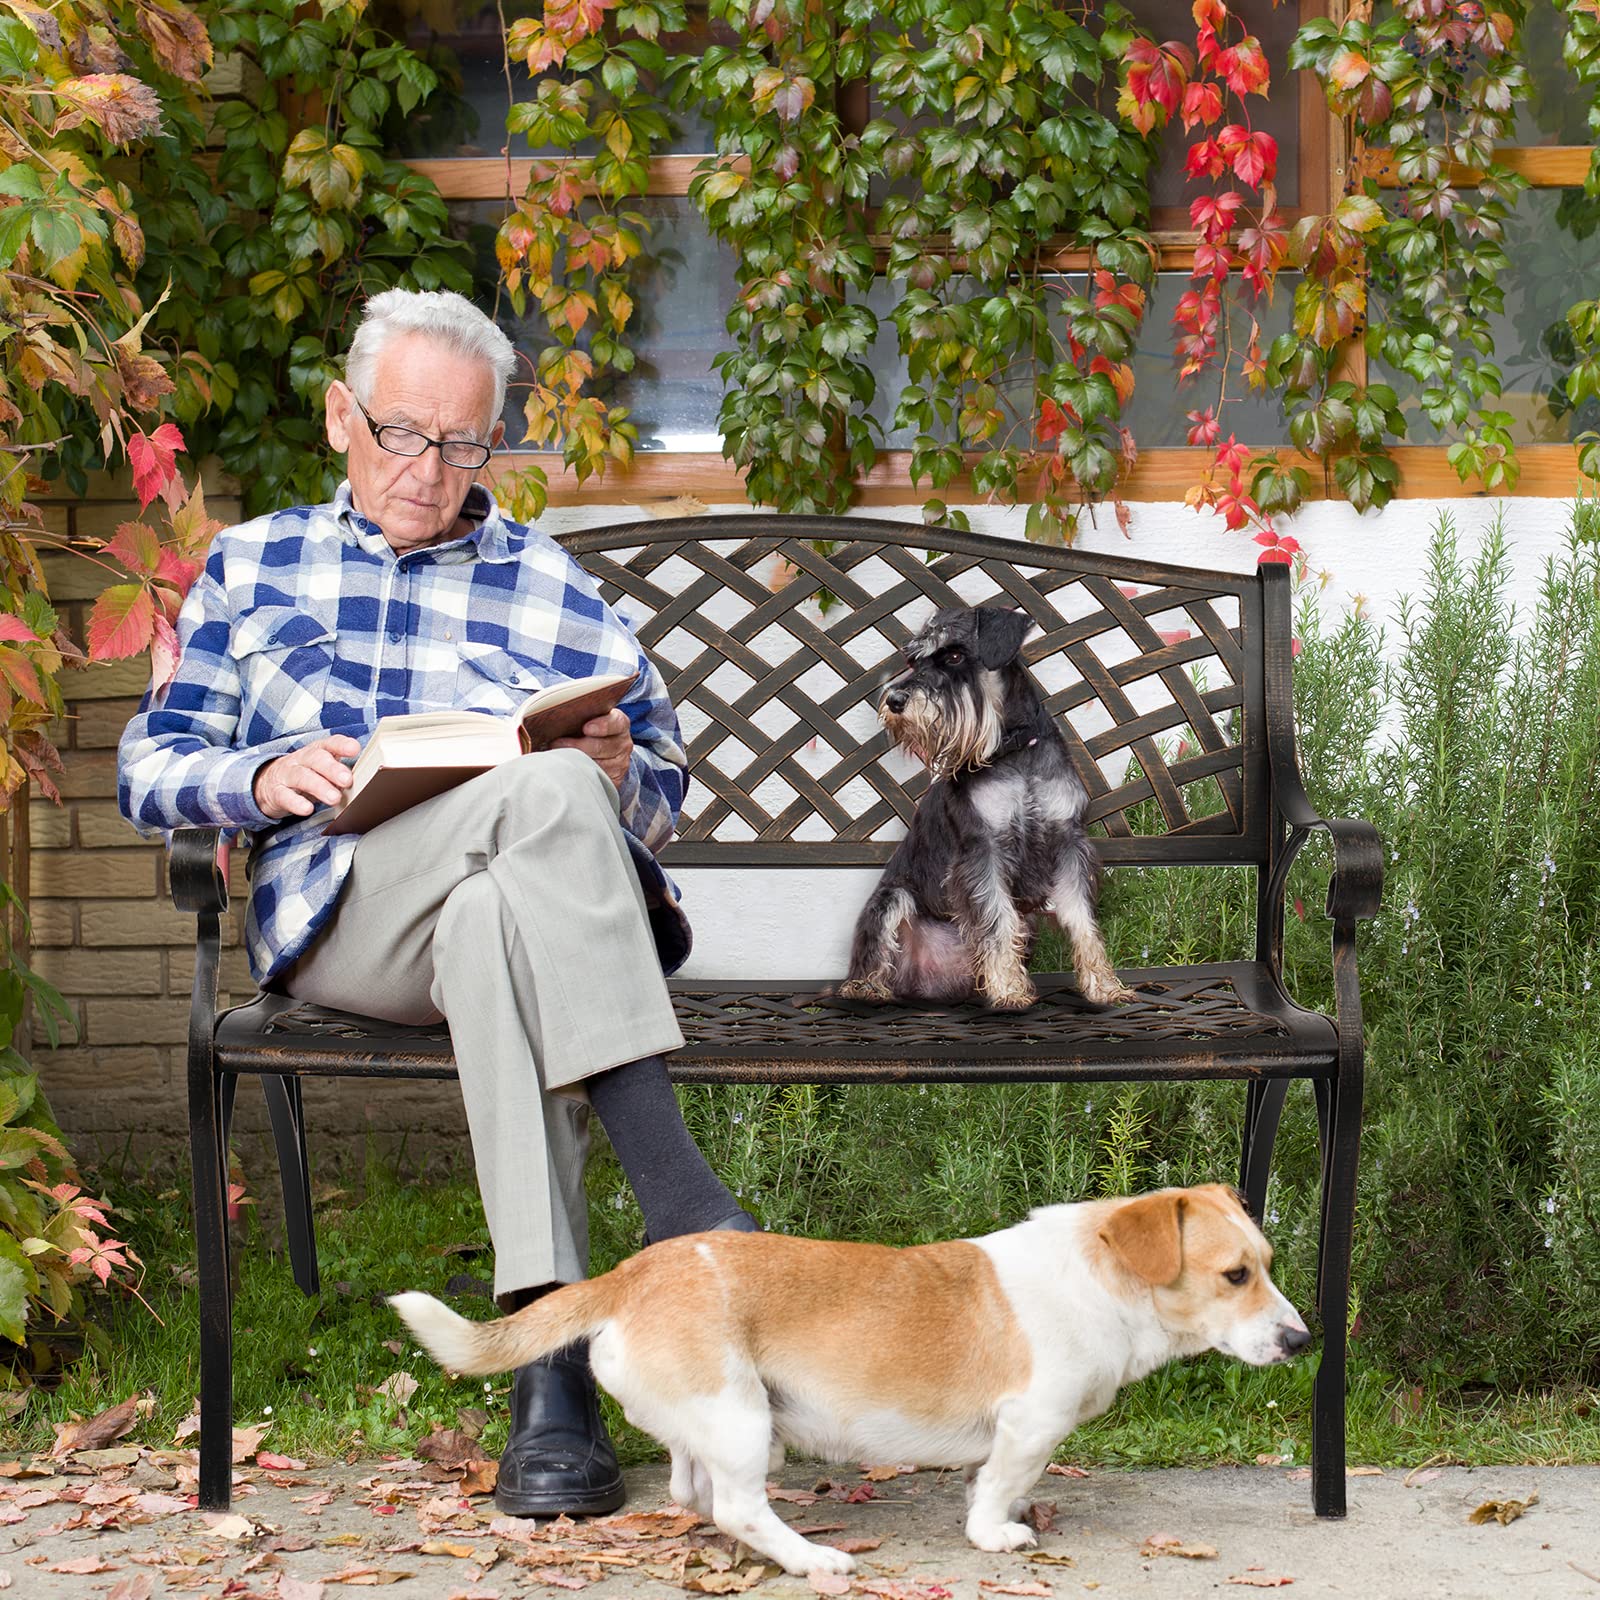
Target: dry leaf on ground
{"x":450,"y":1447}
{"x":97,"y":1432}
{"x":734,"y":1581}
{"x":1041,"y":1516}
{"x":246,"y":1441}
{"x":990,"y":1587}
{"x":79,"y":1565}
{"x":139,"y":1587}
{"x":399,"y":1388}
{"x":855,"y":1545}
{"x":829,"y":1582}
{"x":1260,"y":1580}
{"x":228,"y":1525}
{"x":1049,"y":1558}
{"x":440,"y":1547}
{"x":275,"y":1463}
{"x":1364,"y":1472}
{"x":1502,"y":1511}
{"x":882,"y":1474}
{"x":367,"y":1575}
{"x":1169,"y":1544}
{"x":480,"y":1477}
{"x":1056,"y":1470}
{"x":290,"y":1588}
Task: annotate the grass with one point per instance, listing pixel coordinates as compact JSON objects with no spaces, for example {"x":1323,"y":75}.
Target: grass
{"x":317,"y":1363}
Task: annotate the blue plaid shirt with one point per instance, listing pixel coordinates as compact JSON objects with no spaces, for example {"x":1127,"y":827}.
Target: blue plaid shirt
{"x":306,"y":623}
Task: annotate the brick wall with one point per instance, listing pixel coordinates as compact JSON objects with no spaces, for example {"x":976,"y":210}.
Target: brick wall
{"x":106,"y":935}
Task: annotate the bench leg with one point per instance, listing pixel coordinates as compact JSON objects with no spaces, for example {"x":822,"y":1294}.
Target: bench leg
{"x":209,"y":1103}
{"x":1263,"y":1108}
{"x":287,"y":1111}
{"x":1339,"y":1122}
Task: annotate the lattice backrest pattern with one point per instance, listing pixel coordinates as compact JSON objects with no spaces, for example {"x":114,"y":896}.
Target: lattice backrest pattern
{"x":775,"y":656}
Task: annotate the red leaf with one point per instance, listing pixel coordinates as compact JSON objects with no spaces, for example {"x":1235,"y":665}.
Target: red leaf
{"x":1273,"y":555}
{"x":1202,"y":102}
{"x":18,"y":671}
{"x":122,"y":622}
{"x":1244,"y":66}
{"x":1257,"y":160}
{"x":163,"y":654}
{"x":1204,"y":426}
{"x":137,"y":546}
{"x":13,"y":630}
{"x":154,"y":459}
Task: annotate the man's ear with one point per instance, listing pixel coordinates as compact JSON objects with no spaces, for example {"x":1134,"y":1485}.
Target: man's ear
{"x":1000,"y":634}
{"x":336,"y":409}
{"x":1146,"y":1236}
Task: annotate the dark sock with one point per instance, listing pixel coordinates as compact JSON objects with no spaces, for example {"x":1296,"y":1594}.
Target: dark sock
{"x":677,"y":1191}
{"x":516,"y":1299}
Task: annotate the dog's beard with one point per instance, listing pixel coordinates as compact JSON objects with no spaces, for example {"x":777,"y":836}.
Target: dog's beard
{"x":958,"y":734}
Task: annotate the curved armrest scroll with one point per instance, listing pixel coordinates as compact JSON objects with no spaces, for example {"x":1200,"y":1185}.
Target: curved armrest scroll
{"x":198,"y":869}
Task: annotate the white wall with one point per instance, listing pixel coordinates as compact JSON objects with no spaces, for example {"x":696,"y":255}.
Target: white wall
{"x":797,"y":924}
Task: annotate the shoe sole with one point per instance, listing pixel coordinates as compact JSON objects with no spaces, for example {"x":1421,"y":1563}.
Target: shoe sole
{"x":592,"y":1503}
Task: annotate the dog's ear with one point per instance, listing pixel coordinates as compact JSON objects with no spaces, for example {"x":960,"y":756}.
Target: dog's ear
{"x":1146,"y":1236}
{"x":1000,"y":634}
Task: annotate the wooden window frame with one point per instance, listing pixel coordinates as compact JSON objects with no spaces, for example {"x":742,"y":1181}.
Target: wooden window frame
{"x":1548,"y":470}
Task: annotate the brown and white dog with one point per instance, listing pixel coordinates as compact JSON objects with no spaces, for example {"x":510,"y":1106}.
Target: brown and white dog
{"x":980,"y":1353}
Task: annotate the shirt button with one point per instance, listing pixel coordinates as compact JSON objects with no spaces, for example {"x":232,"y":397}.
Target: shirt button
{"x":394,"y":636}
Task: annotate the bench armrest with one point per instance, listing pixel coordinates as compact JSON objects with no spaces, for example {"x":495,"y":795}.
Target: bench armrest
{"x":198,"y":869}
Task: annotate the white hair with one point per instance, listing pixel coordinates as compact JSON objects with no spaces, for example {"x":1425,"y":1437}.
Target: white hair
{"x":449,"y":318}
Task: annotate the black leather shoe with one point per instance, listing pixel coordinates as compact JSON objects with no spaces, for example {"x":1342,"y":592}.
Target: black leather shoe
{"x":559,"y":1458}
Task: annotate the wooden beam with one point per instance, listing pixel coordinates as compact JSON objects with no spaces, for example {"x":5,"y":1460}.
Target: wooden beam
{"x":1545,"y":166}
{"x":1425,"y":474}
{"x":487,"y":177}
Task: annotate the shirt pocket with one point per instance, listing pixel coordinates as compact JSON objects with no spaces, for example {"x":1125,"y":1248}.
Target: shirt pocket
{"x":491,"y":678}
{"x":285,"y":658}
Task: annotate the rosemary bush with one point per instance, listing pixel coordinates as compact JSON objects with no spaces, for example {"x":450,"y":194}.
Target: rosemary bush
{"x":1473,"y":746}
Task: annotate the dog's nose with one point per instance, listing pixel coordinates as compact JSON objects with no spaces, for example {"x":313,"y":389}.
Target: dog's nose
{"x":1294,"y":1340}
{"x":895,"y":700}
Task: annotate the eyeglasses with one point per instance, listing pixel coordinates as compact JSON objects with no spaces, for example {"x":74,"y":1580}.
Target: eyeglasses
{"x":400,"y":440}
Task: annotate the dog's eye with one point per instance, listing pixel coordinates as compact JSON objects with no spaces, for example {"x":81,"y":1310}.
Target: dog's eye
{"x":1237,"y":1276}
{"x":954,"y":658}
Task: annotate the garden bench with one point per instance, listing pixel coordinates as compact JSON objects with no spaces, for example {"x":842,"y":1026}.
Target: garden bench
{"x":1173,"y":690}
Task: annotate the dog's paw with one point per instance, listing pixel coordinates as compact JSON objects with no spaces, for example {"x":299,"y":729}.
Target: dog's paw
{"x":1107,"y":990}
{"x":1001,"y":1536}
{"x":824,"y":1558}
{"x":864,"y":989}
{"x":1013,"y":997}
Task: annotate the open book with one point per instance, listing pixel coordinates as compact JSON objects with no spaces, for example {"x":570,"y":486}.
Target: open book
{"x":412,"y":758}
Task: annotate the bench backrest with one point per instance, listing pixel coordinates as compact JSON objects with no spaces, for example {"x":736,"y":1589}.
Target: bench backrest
{"x":775,"y":655}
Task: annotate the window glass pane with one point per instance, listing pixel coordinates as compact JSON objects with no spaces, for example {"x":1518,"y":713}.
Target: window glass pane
{"x":1556,"y":110}
{"x":1155,"y":414}
{"x":466,"y":115}
{"x":1278,"y":113}
{"x":683,"y":287}
{"x":1553,"y":240}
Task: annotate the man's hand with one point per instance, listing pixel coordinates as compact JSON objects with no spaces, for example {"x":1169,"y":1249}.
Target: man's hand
{"x":295,"y":785}
{"x":608,"y":741}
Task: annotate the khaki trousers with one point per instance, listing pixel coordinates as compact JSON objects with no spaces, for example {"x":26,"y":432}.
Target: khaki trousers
{"x":509,"y":906}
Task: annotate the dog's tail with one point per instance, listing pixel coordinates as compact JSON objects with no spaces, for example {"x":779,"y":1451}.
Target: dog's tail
{"x":476,"y":1348}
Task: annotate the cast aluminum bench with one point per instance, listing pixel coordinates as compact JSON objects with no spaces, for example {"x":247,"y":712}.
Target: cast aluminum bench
{"x":1183,"y":733}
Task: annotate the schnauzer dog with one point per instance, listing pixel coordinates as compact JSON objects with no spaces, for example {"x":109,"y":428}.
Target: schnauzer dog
{"x":997,"y":839}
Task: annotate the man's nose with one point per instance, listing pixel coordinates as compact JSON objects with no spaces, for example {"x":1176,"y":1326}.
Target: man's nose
{"x":429,"y":465}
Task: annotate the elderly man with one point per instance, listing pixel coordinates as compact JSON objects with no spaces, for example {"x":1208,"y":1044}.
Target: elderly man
{"x":525,"y":906}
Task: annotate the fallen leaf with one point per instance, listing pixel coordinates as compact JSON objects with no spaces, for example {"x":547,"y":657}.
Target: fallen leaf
{"x":1015,"y":1588}
{"x":450,"y":1447}
{"x":139,"y":1587}
{"x":161,"y":1505}
{"x":228,"y":1525}
{"x":370,"y":1576}
{"x":290,"y":1588}
{"x":100,"y":1460}
{"x":650,"y":1524}
{"x":1259,"y":1580}
{"x":860,"y":1494}
{"x":1299,"y":1475}
{"x":188,"y":1428}
{"x":480,"y":1477}
{"x":97,"y":1432}
{"x":562,"y":1580}
{"x":1041,"y":1516}
{"x":1048,"y":1558}
{"x":399,"y":1388}
{"x":855,"y":1545}
{"x":1270,"y":1461}
{"x":472,"y":1420}
{"x":1502,"y":1511}
{"x":1056,"y":1470}
{"x":1169,"y":1544}
{"x":829,"y":1582}
{"x":734,"y":1581}
{"x":1364,"y":1472}
{"x":80,"y":1565}
{"x":884,"y":1473}
{"x":438,"y":1547}
{"x":246,"y":1441}
{"x":274,"y":1463}
{"x":1415,"y":1480}
{"x":797,"y":1497}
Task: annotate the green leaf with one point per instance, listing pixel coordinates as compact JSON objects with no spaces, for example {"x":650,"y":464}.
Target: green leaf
{"x":14,"y":224}
{"x":19,"y":49}
{"x":17,"y":1280}
{"x":17,"y":1090}
{"x":18,"y":1147}
{"x":21,"y":179}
